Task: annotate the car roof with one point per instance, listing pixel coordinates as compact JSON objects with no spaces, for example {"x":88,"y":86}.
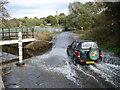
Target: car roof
{"x":83,"y":41}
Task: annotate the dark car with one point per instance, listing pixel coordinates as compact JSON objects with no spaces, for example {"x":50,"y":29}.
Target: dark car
{"x":84,"y":52}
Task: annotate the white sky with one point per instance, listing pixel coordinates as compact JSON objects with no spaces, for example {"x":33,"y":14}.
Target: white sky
{"x":38,"y":8}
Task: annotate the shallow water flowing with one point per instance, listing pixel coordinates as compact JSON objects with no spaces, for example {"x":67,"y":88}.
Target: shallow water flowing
{"x":105,"y":74}
{"x":57,"y":61}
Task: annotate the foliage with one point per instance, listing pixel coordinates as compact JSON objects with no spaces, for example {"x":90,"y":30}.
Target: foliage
{"x":106,"y":31}
{"x":62,"y":14}
{"x":82,"y":15}
{"x":31,"y":22}
{"x":62,"y":20}
{"x":113,"y":11}
{"x":3,"y":12}
{"x":51,"y":19}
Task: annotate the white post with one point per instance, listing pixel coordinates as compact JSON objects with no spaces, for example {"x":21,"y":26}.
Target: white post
{"x":20,"y":49}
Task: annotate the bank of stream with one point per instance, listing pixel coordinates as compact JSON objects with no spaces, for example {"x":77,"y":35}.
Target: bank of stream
{"x":40,"y":46}
{"x":29,"y":50}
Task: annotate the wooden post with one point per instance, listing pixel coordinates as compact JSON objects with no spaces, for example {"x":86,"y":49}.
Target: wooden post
{"x":2,"y":33}
{"x":32,"y":32}
{"x":9,"y":33}
{"x":26,"y":32}
{"x":16,"y":33}
{"x":20,"y":50}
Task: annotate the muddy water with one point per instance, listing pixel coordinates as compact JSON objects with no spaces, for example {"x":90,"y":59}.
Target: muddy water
{"x":104,"y":74}
{"x":56,"y":62}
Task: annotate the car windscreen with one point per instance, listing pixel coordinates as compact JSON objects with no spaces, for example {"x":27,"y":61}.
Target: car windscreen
{"x":87,"y":45}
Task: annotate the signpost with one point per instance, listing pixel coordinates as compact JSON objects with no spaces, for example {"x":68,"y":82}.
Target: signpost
{"x":20,"y":49}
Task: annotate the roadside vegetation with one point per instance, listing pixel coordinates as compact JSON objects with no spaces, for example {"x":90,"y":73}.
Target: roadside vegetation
{"x":106,"y":28}
{"x":43,"y":35}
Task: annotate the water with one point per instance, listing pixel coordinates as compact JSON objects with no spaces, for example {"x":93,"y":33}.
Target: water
{"x":57,"y":61}
{"x":105,"y":74}
{"x":48,"y":29}
{"x":8,"y":56}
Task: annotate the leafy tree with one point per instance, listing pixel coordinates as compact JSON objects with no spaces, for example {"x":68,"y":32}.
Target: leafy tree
{"x":40,"y":22}
{"x":62,"y":14}
{"x":107,"y":25}
{"x":51,"y":19}
{"x":81,"y":15}
{"x":3,"y":12}
{"x":113,"y":11}
{"x":62,"y":19}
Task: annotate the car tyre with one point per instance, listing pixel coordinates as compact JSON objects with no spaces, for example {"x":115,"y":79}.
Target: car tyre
{"x":74,"y":61}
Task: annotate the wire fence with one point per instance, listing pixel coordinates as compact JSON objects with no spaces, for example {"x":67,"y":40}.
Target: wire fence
{"x":12,"y":33}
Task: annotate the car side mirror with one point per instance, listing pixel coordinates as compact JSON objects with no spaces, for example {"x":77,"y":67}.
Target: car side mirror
{"x":70,"y":46}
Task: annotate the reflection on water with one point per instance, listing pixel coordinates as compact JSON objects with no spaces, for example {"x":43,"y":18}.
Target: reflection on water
{"x":8,"y":56}
{"x":48,"y":29}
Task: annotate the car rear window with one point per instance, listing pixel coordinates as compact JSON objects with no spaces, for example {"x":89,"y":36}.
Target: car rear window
{"x":87,"y":45}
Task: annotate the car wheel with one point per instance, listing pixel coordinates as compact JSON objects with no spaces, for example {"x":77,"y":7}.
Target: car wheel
{"x":74,"y":62}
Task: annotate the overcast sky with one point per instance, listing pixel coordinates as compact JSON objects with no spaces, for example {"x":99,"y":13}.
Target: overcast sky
{"x":38,"y":8}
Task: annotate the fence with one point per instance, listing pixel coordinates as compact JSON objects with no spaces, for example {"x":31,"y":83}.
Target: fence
{"x":12,"y":33}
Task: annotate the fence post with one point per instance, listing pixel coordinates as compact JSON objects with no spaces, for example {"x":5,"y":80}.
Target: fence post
{"x":9,"y":33}
{"x":16,"y":33}
{"x":20,"y":50}
{"x":2,"y":33}
{"x":26,"y":32}
{"x":32,"y":32}
{"x":22,"y":32}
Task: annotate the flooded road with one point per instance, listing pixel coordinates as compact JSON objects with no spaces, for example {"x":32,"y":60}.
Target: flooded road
{"x":53,"y":70}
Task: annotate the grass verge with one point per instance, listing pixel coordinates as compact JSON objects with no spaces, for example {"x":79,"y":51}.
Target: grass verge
{"x":43,"y":35}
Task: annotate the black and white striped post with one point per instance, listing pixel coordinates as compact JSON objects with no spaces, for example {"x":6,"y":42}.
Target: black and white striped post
{"x":20,"y":62}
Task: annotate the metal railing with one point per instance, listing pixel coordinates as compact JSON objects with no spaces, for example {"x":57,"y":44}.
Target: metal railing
{"x":12,"y":33}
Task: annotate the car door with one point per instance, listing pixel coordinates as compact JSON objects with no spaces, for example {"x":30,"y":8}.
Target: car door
{"x":70,"y":48}
{"x":73,"y":48}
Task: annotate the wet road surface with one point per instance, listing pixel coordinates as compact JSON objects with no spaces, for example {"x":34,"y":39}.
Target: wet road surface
{"x":53,"y":70}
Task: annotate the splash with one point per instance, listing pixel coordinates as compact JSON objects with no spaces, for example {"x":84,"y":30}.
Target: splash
{"x":108,"y":72}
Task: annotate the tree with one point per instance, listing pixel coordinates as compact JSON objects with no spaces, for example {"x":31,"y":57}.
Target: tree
{"x":3,"y":11}
{"x":51,"y":19}
{"x":62,"y":14}
{"x":113,"y":11}
{"x":62,"y":20}
{"x":40,"y":21}
{"x":81,"y":15}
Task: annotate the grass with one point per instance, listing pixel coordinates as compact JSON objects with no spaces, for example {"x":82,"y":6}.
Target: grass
{"x":80,"y":31}
{"x":55,"y":26}
{"x":56,"y":32}
{"x":43,"y":35}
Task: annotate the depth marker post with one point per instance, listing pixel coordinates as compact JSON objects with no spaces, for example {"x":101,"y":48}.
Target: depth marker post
{"x":20,"y":62}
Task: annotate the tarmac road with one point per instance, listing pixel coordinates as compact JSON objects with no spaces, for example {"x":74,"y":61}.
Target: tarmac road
{"x":52,"y":70}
